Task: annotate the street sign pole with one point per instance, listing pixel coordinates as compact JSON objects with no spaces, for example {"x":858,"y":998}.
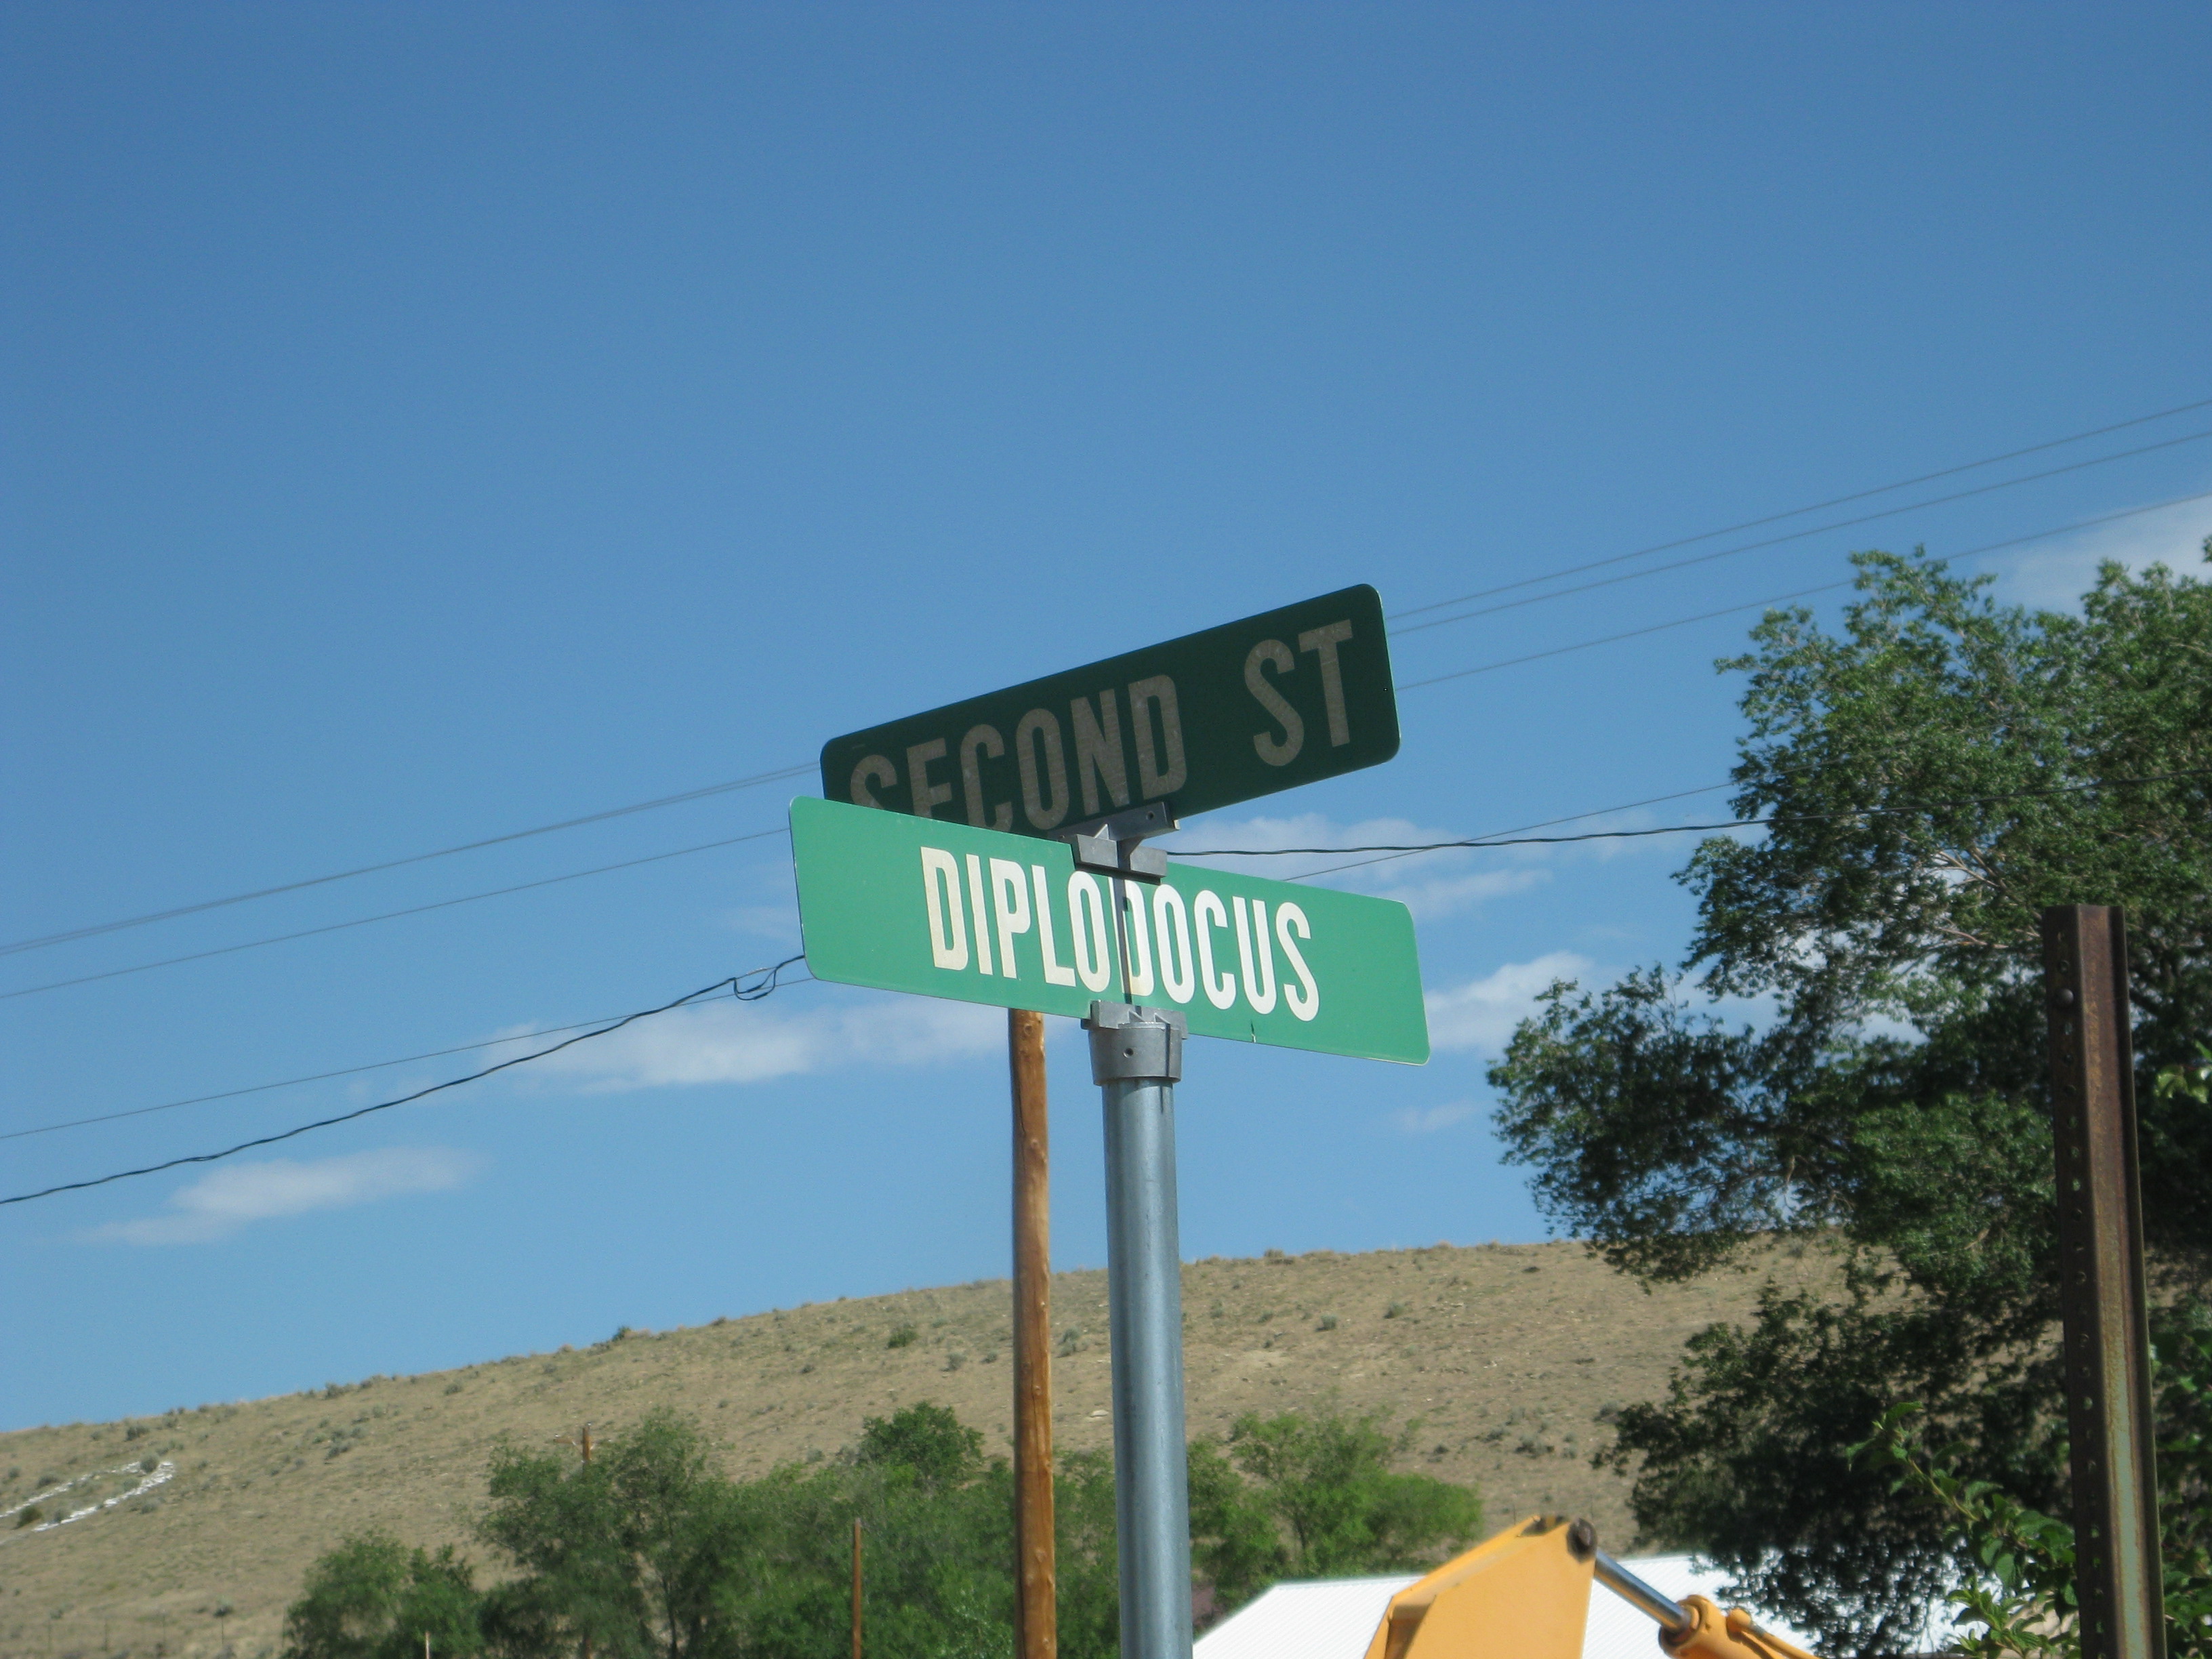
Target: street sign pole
{"x":1136,"y":1059}
{"x":990,"y":910}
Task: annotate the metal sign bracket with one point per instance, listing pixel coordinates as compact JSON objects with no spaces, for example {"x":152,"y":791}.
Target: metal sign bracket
{"x":1114,"y":846}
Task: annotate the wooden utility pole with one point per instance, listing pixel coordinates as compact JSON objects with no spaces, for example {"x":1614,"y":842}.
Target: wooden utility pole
{"x":2100,"y":1258}
{"x":581,"y":1440}
{"x":1035,"y":1591}
{"x":856,"y":1587}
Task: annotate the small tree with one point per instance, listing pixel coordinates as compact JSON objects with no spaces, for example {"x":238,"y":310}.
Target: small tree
{"x":1314,"y":1496}
{"x":373,"y":1598}
{"x":633,"y":1552}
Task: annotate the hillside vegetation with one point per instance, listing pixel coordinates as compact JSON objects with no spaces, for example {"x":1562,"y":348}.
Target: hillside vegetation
{"x":1512,"y":1358}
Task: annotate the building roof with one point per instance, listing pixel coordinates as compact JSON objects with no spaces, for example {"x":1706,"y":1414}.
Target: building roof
{"x":1336,"y":1618}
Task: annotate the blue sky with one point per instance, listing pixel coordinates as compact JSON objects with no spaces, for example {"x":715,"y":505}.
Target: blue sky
{"x":426,"y":423}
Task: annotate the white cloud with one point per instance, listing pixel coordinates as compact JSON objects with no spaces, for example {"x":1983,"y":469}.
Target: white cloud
{"x":220,"y":1203}
{"x":1430,"y":899}
{"x":1482,"y":1013}
{"x":2054,"y":574}
{"x":752,"y":1043}
{"x":1428,"y":1120}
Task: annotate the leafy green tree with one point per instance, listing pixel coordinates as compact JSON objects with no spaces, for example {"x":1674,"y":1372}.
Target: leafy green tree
{"x":650,"y":1552}
{"x":2020,"y":1587}
{"x":929,"y":1443}
{"x":633,"y":1552}
{"x":1312,"y":1496}
{"x":1086,"y":1559}
{"x":373,"y":1598}
{"x":1932,"y":778}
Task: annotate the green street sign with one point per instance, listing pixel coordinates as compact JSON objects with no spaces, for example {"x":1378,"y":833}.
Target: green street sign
{"x":1246,"y":709}
{"x":943,"y":910}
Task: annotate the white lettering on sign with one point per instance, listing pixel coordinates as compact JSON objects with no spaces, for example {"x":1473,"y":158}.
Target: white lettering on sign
{"x":1098,"y":758}
{"x":1305,"y":997}
{"x":1185,"y":964}
{"x":948,"y":928}
{"x":927,"y":796}
{"x":1044,"y":796}
{"x":1138,"y":950}
{"x":1158,"y":692}
{"x":1010,"y":900}
{"x":1086,"y":921}
{"x":1276,"y":751}
{"x":1274,"y":654}
{"x":875,"y":766}
{"x":1171,"y":927}
{"x":1259,"y":981}
{"x":1207,"y":914}
{"x":1323,"y":642}
{"x":975,"y":904}
{"x":982,"y":739}
{"x":1054,"y":973}
{"x":1041,"y":744}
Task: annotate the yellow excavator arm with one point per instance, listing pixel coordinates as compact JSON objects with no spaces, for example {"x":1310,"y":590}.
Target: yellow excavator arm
{"x":1524,"y":1594}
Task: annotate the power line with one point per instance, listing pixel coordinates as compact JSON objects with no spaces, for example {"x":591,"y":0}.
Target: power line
{"x":764,"y":982}
{"x":312,"y":1076}
{"x":1802,"y":593}
{"x":525,"y":1036}
{"x":46,"y":940}
{"x":1798,"y":512}
{"x":389,"y":915}
{"x":2082,"y":524}
{"x":1777,"y":541}
{"x":1403,"y":685}
{"x":1611,"y":639}
{"x":1682,"y":829}
{"x":785,"y":773}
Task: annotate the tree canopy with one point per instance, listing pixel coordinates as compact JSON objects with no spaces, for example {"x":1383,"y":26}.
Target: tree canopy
{"x":650,"y":1552}
{"x":1929,"y":779}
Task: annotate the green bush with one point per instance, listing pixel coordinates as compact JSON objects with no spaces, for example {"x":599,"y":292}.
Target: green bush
{"x":651,"y":1552}
{"x":901,"y":1337}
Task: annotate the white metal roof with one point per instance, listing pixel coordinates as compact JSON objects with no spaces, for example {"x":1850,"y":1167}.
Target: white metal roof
{"x":1316,"y":1619}
{"x":1336,"y":1618}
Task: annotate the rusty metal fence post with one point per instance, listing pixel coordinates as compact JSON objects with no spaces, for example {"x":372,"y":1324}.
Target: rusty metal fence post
{"x":2101,"y":1299}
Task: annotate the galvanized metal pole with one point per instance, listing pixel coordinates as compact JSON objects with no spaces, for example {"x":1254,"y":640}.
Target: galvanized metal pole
{"x":2108,"y":1340}
{"x":1136,"y":1059}
{"x":1035,"y":1589}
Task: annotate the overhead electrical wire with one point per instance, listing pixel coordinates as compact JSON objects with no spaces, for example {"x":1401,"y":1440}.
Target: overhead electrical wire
{"x":1683,"y":828}
{"x":1516,"y":836}
{"x":1800,"y":593}
{"x":1776,"y":541}
{"x":1816,"y":506}
{"x":1612,"y":639}
{"x":312,"y":1077}
{"x":682,"y":852}
{"x":783,"y":774}
{"x":46,"y":940}
{"x":578,"y":1025}
{"x":749,"y":987}
{"x":391,"y":915}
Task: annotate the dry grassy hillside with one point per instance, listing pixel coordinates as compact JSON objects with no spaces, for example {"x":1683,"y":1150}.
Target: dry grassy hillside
{"x":1508,"y":1356}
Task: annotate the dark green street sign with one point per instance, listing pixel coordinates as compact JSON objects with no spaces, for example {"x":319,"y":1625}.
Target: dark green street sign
{"x":943,"y":910}
{"x":1234,"y":713}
